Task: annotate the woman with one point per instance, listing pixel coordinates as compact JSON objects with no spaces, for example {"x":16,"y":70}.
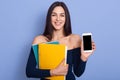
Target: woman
{"x":58,"y":28}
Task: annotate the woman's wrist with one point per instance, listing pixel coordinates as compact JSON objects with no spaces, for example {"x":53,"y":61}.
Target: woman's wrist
{"x":83,"y":58}
{"x":52,"y":72}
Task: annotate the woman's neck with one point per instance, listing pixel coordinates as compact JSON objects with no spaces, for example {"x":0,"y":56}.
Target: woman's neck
{"x":57,"y":35}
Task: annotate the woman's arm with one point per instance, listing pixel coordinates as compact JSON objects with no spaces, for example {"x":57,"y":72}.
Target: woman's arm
{"x":78,"y":64}
{"x":32,"y":71}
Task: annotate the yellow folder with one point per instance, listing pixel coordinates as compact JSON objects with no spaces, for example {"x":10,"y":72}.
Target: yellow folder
{"x":50,"y":56}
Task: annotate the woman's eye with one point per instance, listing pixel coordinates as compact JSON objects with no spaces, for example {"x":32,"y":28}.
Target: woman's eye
{"x":62,"y":15}
{"x":53,"y":14}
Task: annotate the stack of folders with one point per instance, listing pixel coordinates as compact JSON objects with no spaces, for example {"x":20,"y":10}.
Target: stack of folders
{"x":49,"y":55}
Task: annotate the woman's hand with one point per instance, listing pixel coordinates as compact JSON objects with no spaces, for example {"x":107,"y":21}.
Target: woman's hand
{"x":60,"y":70}
{"x":85,"y":55}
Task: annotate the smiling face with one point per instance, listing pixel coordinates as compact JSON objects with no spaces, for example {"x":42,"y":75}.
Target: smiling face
{"x":58,"y":18}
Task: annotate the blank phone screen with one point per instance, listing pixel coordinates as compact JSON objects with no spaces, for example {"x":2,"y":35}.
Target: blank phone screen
{"x":87,"y":42}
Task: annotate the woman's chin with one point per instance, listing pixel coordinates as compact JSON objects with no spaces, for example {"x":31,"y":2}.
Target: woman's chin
{"x":58,"y":27}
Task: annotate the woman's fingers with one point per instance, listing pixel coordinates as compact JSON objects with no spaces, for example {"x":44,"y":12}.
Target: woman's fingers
{"x":93,"y":46}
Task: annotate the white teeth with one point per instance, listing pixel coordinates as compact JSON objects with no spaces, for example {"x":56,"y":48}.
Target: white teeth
{"x":57,"y":23}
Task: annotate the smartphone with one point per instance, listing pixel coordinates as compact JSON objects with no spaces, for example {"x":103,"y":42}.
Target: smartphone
{"x":87,"y":42}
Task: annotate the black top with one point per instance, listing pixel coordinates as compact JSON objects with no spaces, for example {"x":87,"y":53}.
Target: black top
{"x":73,"y":59}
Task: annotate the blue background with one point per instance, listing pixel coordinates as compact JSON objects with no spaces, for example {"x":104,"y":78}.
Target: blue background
{"x":22,"y":20}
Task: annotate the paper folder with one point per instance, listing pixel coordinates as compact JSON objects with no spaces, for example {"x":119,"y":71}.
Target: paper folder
{"x":50,"y":56}
{"x":35,"y":49}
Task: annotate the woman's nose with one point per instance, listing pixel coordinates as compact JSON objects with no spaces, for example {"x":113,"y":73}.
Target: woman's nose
{"x":58,"y":18}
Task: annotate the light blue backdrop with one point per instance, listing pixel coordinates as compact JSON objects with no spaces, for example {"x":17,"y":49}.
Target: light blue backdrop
{"x":22,"y":20}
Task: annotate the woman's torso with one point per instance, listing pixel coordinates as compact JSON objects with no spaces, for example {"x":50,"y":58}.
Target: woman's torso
{"x":72,"y":42}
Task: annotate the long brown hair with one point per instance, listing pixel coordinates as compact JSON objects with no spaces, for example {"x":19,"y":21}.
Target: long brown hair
{"x":48,"y":32}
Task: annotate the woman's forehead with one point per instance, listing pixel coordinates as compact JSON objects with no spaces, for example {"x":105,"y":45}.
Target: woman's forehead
{"x":58,"y":9}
